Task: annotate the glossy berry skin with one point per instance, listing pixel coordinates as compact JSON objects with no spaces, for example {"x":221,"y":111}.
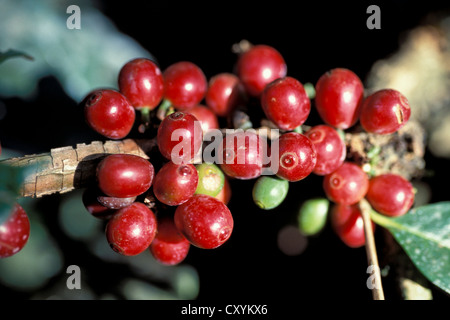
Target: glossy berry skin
{"x":385,"y":112}
{"x":348,"y":224}
{"x":131,"y":230}
{"x":286,"y":103}
{"x":296,"y":155}
{"x":313,"y":215}
{"x":207,"y":118}
{"x":390,"y":194}
{"x":259,"y":66}
{"x":179,"y":137}
{"x":210,"y":179}
{"x":141,"y":81}
{"x":109,"y":113}
{"x":346,"y":185}
{"x":241,"y":155}
{"x":330,"y":148}
{"x":169,"y":247}
{"x":339,"y":94}
{"x":185,"y":85}
{"x":175,"y":184}
{"x":205,"y":221}
{"x":225,"y":92}
{"x":269,"y":192}
{"x":124,"y":175}
{"x":14,"y":232}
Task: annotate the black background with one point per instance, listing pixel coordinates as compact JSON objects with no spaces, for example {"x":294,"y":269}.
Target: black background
{"x":313,"y":37}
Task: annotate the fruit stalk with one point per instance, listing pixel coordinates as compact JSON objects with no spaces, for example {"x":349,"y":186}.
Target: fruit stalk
{"x":64,"y":169}
{"x":371,"y":251}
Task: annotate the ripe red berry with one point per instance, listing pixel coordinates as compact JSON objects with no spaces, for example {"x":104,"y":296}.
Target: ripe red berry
{"x":176,"y":126}
{"x":175,"y":184}
{"x":205,"y":221}
{"x":286,"y":103}
{"x":390,"y":194}
{"x":131,"y":229}
{"x":169,"y":247}
{"x":14,"y":232}
{"x":296,"y":155}
{"x":330,"y":149}
{"x":259,"y":66}
{"x":348,"y":224}
{"x":225,"y":92}
{"x":207,"y":118}
{"x":346,"y":185}
{"x":339,"y":95}
{"x":385,"y":112}
{"x":124,"y":175}
{"x":141,"y":81}
{"x":109,"y":113}
{"x":241,"y":155}
{"x":185,"y":85}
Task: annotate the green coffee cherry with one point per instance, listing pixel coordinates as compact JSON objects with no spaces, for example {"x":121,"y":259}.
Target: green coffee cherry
{"x":312,"y":216}
{"x":269,"y":192}
{"x":210,"y":179}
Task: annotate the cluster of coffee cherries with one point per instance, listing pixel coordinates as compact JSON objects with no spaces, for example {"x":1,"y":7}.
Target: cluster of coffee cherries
{"x":340,"y":103}
{"x":165,"y":206}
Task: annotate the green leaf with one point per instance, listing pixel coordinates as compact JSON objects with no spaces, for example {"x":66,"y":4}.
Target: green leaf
{"x":11,"y":180}
{"x":11,"y":53}
{"x":424,"y":234}
{"x":81,"y":60}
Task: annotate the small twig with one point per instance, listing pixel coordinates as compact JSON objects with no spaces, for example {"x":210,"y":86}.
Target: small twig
{"x":371,"y":251}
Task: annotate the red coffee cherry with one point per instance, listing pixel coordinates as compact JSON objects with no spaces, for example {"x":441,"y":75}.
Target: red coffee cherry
{"x":205,"y":221}
{"x":259,"y":66}
{"x":207,"y":118}
{"x":169,"y":246}
{"x":346,"y":185}
{"x":109,"y":113}
{"x":339,"y":95}
{"x":348,"y":224}
{"x":296,"y":155}
{"x":131,"y":230}
{"x":179,"y":137}
{"x":241,"y":155}
{"x":185,"y":85}
{"x":124,"y":175}
{"x":286,"y":103}
{"x":141,"y":81}
{"x":14,"y":232}
{"x":390,"y":194}
{"x":330,"y":149}
{"x":385,"y":112}
{"x":225,"y":92}
{"x":175,"y":184}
